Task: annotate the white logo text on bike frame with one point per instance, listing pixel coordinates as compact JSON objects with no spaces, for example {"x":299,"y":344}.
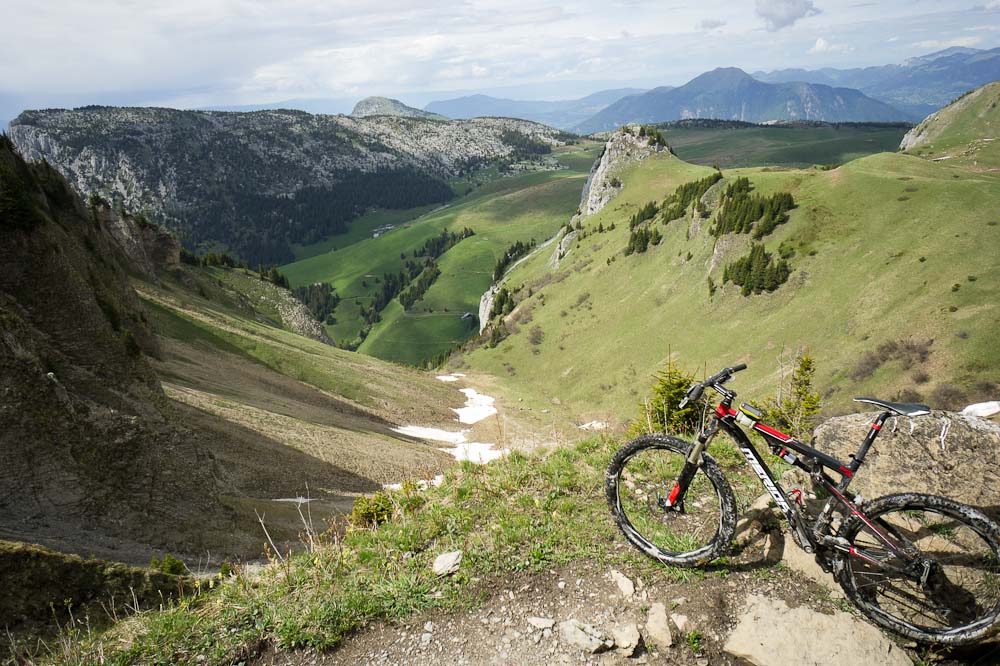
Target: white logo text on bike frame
{"x":779,"y":499}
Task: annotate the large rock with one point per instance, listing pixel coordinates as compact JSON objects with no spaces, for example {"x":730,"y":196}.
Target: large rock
{"x":944,"y":453}
{"x":769,"y":633}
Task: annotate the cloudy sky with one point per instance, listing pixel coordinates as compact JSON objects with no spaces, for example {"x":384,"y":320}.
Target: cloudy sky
{"x":196,"y":53}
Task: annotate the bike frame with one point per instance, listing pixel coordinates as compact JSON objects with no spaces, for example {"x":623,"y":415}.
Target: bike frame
{"x":808,"y":538}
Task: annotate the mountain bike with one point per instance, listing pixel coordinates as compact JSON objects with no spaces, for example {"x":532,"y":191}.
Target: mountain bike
{"x":922,"y":566}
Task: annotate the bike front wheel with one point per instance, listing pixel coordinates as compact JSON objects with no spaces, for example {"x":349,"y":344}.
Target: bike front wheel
{"x":638,"y":484}
{"x":942,"y":587}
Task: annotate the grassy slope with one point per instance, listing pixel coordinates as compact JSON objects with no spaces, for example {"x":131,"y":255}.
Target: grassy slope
{"x":780,"y":146}
{"x":525,"y":514}
{"x":869,"y":223}
{"x":967,"y":131}
{"x":335,"y":406}
{"x":533,"y":205}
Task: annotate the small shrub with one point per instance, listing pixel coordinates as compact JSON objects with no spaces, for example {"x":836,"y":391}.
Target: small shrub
{"x":948,"y":396}
{"x":956,"y":287}
{"x":972,"y":278}
{"x":536,"y":335}
{"x":660,"y":412}
{"x":370,"y":512}
{"x":903,"y":198}
{"x":921,"y":377}
{"x":922,"y":259}
{"x":952,"y":308}
{"x":168,"y":565}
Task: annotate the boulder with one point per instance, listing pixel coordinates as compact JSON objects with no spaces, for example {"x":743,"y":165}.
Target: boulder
{"x":943,"y":453}
{"x":769,"y":633}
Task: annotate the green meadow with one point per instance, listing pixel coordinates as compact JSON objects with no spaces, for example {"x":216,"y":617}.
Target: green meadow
{"x":501,"y":212}
{"x":891,"y":252}
{"x":781,"y":146}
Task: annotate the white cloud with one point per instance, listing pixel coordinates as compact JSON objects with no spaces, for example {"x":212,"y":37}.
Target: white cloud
{"x":778,"y":14}
{"x":947,"y":43}
{"x":824,"y":46}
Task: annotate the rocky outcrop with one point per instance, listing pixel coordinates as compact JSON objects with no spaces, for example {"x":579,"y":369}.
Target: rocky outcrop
{"x":562,"y":249}
{"x":385,"y":106}
{"x":623,"y":148}
{"x":944,"y":453}
{"x":149,"y":247}
{"x":759,"y":639}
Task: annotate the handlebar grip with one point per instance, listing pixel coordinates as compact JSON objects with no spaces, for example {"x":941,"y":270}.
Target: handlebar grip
{"x":737,"y":368}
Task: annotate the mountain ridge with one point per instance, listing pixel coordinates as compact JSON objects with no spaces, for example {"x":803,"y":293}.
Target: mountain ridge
{"x":920,"y":85}
{"x":730,"y":93}
{"x":563,"y":114}
{"x":252,"y":183}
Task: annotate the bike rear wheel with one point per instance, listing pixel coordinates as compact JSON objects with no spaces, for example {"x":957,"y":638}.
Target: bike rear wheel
{"x":945,"y":589}
{"x":638,"y":484}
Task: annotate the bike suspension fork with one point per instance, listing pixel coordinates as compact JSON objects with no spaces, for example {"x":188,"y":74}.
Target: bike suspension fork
{"x":676,"y":497}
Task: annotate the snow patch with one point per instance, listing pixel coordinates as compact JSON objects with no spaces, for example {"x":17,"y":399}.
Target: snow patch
{"x":477,"y":407}
{"x":436,"y":434}
{"x":476,"y":452}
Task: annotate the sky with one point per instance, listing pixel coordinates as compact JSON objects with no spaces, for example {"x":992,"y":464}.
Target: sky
{"x":210,"y":53}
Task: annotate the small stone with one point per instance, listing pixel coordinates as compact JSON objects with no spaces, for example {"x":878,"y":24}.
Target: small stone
{"x":541,"y":622}
{"x":627,"y":638}
{"x":428,"y":626}
{"x":447,"y":563}
{"x":657,"y":628}
{"x":625,"y":585}
{"x":546,"y":633}
{"x":585,"y":637}
{"x":562,"y":585}
{"x":425,"y":638}
{"x":681,"y":622}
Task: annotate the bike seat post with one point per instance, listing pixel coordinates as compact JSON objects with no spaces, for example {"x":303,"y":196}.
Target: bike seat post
{"x":873,"y":432}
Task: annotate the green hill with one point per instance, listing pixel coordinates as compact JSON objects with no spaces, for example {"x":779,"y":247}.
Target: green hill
{"x":890,"y":255}
{"x":732,"y":144}
{"x":966,"y":131}
{"x":501,"y":212}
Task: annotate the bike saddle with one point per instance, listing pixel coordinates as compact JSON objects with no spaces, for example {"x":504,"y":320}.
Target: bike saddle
{"x":903,"y":408}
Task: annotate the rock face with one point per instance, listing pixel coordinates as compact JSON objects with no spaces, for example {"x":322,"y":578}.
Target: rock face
{"x":769,"y":633}
{"x":622,"y":148}
{"x":150,"y":248}
{"x":84,"y":441}
{"x":944,"y":453}
{"x":258,"y":181}
{"x":386,"y":106}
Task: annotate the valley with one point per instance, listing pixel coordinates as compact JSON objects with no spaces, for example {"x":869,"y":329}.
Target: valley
{"x":159,"y":400}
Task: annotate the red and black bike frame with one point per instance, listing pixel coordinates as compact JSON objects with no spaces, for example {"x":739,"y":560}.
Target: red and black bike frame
{"x":809,"y":459}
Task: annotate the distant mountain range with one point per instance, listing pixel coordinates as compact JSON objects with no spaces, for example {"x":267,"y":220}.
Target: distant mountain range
{"x":564,"y":114}
{"x":730,"y":93}
{"x":919,"y":86}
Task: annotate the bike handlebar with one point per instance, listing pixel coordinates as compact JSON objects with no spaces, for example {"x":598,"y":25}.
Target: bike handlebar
{"x":719,"y":378}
